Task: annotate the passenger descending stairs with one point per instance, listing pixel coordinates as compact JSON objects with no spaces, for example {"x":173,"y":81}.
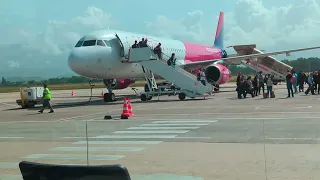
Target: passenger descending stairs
{"x":188,"y":82}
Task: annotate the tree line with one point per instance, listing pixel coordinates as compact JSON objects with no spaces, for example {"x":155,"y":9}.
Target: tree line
{"x":300,"y":64}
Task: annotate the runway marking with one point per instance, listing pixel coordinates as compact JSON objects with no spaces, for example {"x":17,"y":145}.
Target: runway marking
{"x":159,"y":128}
{"x":179,"y":121}
{"x":202,"y":124}
{"x":315,"y":139}
{"x":192,"y":138}
{"x":306,"y":107}
{"x":117,"y":142}
{"x":2,"y":137}
{"x":238,"y":113}
{"x":152,"y":132}
{"x":9,"y":165}
{"x":257,"y":108}
{"x":74,"y":156}
{"x":76,"y":117}
{"x":96,"y":149}
{"x":10,"y":177}
{"x":11,"y":105}
{"x":136,"y":136}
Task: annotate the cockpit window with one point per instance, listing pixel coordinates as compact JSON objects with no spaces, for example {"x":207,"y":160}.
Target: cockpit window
{"x":79,"y":43}
{"x":107,"y":43}
{"x":89,"y":43}
{"x":100,"y":43}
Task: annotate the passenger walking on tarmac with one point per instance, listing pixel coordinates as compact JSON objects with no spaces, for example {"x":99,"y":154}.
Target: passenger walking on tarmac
{"x":255,"y":85}
{"x":310,"y":84}
{"x":261,"y":82}
{"x":301,"y":81}
{"x":295,"y":82}
{"x":240,"y":88}
{"x":289,"y":81}
{"x":46,"y":99}
{"x":269,"y":85}
{"x":135,"y":45}
{"x":202,"y":76}
{"x":249,"y":87}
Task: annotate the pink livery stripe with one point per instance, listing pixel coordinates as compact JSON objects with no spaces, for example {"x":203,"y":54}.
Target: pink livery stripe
{"x":195,"y":52}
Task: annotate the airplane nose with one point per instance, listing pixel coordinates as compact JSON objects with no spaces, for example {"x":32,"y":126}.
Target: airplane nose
{"x":79,"y":59}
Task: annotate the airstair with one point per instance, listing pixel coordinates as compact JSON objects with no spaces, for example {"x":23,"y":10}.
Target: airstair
{"x":187,"y":82}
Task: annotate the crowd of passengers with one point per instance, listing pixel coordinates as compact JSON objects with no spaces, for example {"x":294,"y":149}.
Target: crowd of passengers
{"x":295,"y":83}
{"x":157,"y":50}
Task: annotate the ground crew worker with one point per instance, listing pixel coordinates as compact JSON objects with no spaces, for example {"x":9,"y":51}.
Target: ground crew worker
{"x":202,"y":76}
{"x":46,"y":99}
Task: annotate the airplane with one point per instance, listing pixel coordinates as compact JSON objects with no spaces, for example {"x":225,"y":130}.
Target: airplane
{"x":103,"y":55}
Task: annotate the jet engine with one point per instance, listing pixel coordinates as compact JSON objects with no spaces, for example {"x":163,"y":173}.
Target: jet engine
{"x":218,"y":74}
{"x":118,"y":83}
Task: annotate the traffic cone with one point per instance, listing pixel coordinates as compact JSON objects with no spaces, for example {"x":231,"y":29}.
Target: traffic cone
{"x":72,"y":93}
{"x":125,"y":113}
{"x":102,"y":94}
{"x":130,"y":108}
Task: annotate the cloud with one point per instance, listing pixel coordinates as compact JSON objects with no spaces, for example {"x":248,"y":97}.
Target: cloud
{"x":25,"y":47}
{"x":291,"y":26}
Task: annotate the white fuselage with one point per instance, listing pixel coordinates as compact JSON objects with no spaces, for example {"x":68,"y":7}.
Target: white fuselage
{"x":102,"y":59}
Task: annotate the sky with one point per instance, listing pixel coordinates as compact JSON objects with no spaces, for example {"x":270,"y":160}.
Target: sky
{"x":38,"y":35}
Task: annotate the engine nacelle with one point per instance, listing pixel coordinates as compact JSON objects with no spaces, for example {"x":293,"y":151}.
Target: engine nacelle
{"x":218,"y":73}
{"x":118,"y":83}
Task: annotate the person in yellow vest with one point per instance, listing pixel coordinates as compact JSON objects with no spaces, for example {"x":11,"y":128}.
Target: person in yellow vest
{"x":46,"y":99}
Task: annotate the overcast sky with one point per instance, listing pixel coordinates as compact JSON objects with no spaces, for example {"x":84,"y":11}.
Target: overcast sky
{"x":42,"y":32}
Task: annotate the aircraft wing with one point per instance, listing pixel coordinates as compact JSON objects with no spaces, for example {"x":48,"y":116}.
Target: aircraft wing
{"x":235,"y":59}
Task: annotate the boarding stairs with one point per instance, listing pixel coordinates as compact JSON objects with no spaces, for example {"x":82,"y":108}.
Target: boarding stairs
{"x":150,"y":63}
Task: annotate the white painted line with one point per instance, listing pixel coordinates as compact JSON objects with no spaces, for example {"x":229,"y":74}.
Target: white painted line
{"x":137,"y":137}
{"x":202,"y":124}
{"x":192,"y":138}
{"x":75,"y":117}
{"x":9,"y":165}
{"x":74,"y":137}
{"x":11,"y":105}
{"x":3,"y":137}
{"x":74,"y":156}
{"x":159,"y":128}
{"x":95,"y":149}
{"x":305,"y":107}
{"x":238,"y":113}
{"x":315,"y":139}
{"x":152,"y":132}
{"x":179,"y":121}
{"x":10,"y":177}
{"x":257,"y":108}
{"x":117,"y":142}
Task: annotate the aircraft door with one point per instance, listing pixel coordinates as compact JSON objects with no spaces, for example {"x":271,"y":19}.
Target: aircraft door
{"x":125,"y":46}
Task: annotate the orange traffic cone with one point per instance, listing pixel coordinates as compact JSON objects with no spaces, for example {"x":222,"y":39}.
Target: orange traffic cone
{"x":125,"y":113}
{"x":102,"y":94}
{"x":130,"y":108}
{"x":72,"y":93}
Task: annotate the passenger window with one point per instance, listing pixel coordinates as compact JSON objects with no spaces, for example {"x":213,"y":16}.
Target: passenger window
{"x":107,"y":43}
{"x":100,"y":43}
{"x":89,"y":43}
{"x":79,"y":44}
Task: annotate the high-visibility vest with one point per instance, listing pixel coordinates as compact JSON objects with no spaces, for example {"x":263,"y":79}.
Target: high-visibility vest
{"x":48,"y":95}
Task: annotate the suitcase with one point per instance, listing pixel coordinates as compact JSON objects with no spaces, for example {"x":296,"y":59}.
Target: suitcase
{"x":272,"y":94}
{"x":265,"y":95}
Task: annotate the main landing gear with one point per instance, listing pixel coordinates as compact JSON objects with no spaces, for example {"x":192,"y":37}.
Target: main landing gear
{"x":109,"y":97}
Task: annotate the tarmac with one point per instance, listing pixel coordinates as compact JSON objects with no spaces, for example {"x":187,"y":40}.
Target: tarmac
{"x":220,"y":137}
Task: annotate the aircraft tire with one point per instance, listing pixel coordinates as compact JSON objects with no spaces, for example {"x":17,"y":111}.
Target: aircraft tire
{"x":216,"y":88}
{"x":143,"y":97}
{"x":182,"y":96}
{"x":106,"y":97}
{"x":112,"y":97}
